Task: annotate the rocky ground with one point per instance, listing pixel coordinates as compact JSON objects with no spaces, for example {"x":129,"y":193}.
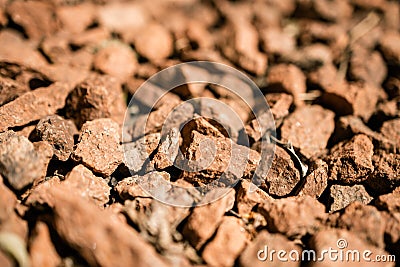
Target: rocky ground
{"x":330,"y":71}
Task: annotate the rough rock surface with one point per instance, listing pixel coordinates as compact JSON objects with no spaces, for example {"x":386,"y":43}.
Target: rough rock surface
{"x":59,"y":133}
{"x":83,"y":181}
{"x":283,"y":175}
{"x":344,"y":195}
{"x":33,"y":106}
{"x":20,"y":163}
{"x":212,"y":155}
{"x":386,"y":172}
{"x":137,"y":153}
{"x":99,"y":96}
{"x":351,"y":161}
{"x":289,"y":79}
{"x":42,"y":250}
{"x":204,"y":220}
{"x":117,"y":60}
{"x":73,"y":213}
{"x":309,"y":129}
{"x":99,"y":146}
{"x":273,"y":242}
{"x":316,"y":181}
{"x":294,"y":216}
{"x":371,"y":227}
{"x":227,"y":244}
{"x":329,"y":238}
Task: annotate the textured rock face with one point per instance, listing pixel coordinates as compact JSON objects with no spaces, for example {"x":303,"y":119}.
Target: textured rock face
{"x":343,"y":195}
{"x":283,"y":175}
{"x":59,"y":133}
{"x":276,"y":242}
{"x":207,"y":154}
{"x":204,"y":220}
{"x":309,"y":129}
{"x":351,"y":162}
{"x":99,"y":146}
{"x":33,"y":105}
{"x":228,"y":243}
{"x":96,"y":97}
{"x":74,"y":213}
{"x":20,"y":163}
{"x":302,"y":215}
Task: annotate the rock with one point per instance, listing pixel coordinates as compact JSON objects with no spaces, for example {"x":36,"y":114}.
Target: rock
{"x":294,"y":216}
{"x":343,"y":195}
{"x":137,"y":154}
{"x":154,"y":42}
{"x":204,"y":220}
{"x":241,"y":44}
{"x":76,"y":18}
{"x":64,"y":73}
{"x":351,"y":162}
{"x":316,"y":181}
{"x":116,"y":59}
{"x":287,"y":78}
{"x":91,"y":37}
{"x":99,"y":96}
{"x":325,"y":77}
{"x":248,"y":196}
{"x":329,"y":10}
{"x":41,"y":248}
{"x":9,"y":220}
{"x":35,"y":17}
{"x":392,"y":231}
{"x":280,"y":104}
{"x":88,"y":185}
{"x":389,"y":44}
{"x":223,"y":115}
{"x":121,"y":17}
{"x":210,"y":157}
{"x":56,"y":48}
{"x":16,"y":50}
{"x":163,"y":109}
{"x":309,"y":129}
{"x":374,"y":72}
{"x":386,"y":175}
{"x":276,"y":41}
{"x":358,"y":98}
{"x":20,"y":163}
{"x":73,"y":219}
{"x":59,"y":133}
{"x":167,"y":150}
{"x":389,"y":202}
{"x":259,"y":252}
{"x":388,"y":109}
{"x":204,"y":127}
{"x":391,"y":130}
{"x":10,"y":90}
{"x":156,"y":184}
{"x":227,"y":244}
{"x":370,"y":225}
{"x":337,"y":239}
{"x":257,"y":128}
{"x":349,"y":126}
{"x":33,"y":105}
{"x":310,"y":56}
{"x":128,"y":188}
{"x":283,"y":175}
{"x":99,"y":146}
